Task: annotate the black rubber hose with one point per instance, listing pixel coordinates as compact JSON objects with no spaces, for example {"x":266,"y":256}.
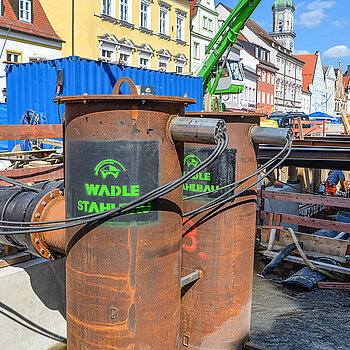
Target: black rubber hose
{"x":279,"y":258}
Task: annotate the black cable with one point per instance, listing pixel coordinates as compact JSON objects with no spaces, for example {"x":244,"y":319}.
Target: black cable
{"x":148,"y":197}
{"x":18,"y":183}
{"x":216,"y":202}
{"x":256,"y":172}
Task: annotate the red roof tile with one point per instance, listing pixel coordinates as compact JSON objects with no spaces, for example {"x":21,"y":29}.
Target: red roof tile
{"x":192,"y":3}
{"x":40,"y":26}
{"x":346,"y":81}
{"x":308,"y":69}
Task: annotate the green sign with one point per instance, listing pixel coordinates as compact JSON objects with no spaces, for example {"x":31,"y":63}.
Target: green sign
{"x":110,"y":174}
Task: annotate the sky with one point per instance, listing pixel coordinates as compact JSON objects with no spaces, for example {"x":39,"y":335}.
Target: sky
{"x":320,"y":25}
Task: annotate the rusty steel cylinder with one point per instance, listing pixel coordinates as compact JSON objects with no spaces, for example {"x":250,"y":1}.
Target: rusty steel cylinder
{"x":123,"y":276}
{"x":215,"y":310}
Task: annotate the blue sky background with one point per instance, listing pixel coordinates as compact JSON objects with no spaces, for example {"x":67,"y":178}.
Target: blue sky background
{"x":322,"y":25}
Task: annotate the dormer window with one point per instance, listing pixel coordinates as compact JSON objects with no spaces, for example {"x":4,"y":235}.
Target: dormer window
{"x":25,"y":10}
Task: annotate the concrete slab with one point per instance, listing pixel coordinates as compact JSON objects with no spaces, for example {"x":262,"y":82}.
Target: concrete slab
{"x":32,"y":305}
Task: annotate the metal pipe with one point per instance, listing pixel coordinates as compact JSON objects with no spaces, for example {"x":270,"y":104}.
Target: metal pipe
{"x":270,"y":136}
{"x":196,"y":130}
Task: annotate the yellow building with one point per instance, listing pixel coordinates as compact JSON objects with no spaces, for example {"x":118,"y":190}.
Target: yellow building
{"x":150,"y":34}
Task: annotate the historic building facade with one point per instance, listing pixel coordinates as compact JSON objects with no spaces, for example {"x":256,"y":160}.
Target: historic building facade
{"x":340,"y":94}
{"x":25,"y":35}
{"x":314,"y":81}
{"x":140,"y":33}
{"x":204,"y":26}
{"x":330,"y":78}
{"x":283,"y":23}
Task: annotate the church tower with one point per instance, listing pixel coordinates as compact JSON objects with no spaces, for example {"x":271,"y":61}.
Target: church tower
{"x":283,"y":16}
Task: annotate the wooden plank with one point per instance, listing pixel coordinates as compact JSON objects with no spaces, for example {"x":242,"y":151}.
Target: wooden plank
{"x":51,"y":142}
{"x":345,"y":121}
{"x":25,"y":132}
{"x":295,"y":259}
{"x":334,"y":285}
{"x":318,"y":244}
{"x":309,"y":222}
{"x":331,"y":201}
{"x":14,"y":259}
{"x":52,"y":172}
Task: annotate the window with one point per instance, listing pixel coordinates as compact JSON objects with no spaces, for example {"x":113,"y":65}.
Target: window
{"x":196,"y":50}
{"x":143,"y":63}
{"x":25,"y":10}
{"x":124,"y":59}
{"x":14,"y":57}
{"x":179,"y":69}
{"x":263,"y":98}
{"x":259,"y":74}
{"x":144,"y":15}
{"x":106,"y":55}
{"x":179,"y":28}
{"x":272,"y":101}
{"x":268,"y":78}
{"x":267,"y":99}
{"x":272,"y":79}
{"x":124,"y":10}
{"x":106,"y":7}
{"x":264,"y":77}
{"x":256,"y":52}
{"x":162,"y":66}
{"x":205,"y":23}
{"x":210,"y":25}
{"x":162,"y":21}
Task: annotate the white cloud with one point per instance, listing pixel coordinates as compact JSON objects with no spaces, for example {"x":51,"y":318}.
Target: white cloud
{"x":315,"y":14}
{"x":337,"y":51}
{"x":301,"y":52}
{"x":318,"y":4}
{"x":338,"y":23}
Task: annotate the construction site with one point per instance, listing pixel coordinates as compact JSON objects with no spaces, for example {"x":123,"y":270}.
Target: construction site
{"x":149,"y":216}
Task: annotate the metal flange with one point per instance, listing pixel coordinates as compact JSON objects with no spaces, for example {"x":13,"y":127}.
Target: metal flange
{"x":40,"y":213}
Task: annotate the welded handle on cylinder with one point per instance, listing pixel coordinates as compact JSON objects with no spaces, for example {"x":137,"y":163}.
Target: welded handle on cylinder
{"x":270,"y":136}
{"x":118,"y":84}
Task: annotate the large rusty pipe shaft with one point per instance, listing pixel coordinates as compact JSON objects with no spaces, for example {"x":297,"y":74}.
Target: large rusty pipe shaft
{"x":270,"y":136}
{"x":197,"y":130}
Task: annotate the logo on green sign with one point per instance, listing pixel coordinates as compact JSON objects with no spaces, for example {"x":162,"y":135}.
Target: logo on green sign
{"x":192,"y":160}
{"x":109,"y":167}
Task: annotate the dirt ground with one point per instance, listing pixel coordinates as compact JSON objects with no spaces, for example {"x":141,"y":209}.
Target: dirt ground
{"x":290,"y":319}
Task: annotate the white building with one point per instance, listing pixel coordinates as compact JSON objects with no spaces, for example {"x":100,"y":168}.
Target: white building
{"x":330,"y":79}
{"x":305,"y":101}
{"x":204,"y":26}
{"x":25,"y":35}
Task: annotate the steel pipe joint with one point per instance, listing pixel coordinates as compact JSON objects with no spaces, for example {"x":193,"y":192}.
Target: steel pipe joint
{"x":197,"y":130}
{"x":270,"y":136}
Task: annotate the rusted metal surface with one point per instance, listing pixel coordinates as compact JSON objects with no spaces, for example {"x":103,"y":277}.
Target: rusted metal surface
{"x":24,"y":132}
{"x":305,"y":221}
{"x":52,"y":172}
{"x":334,"y":285}
{"x":215,"y":310}
{"x":123,"y":280}
{"x":307,"y":198}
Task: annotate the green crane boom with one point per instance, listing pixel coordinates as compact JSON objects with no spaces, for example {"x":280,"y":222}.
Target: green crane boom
{"x":224,"y":39}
